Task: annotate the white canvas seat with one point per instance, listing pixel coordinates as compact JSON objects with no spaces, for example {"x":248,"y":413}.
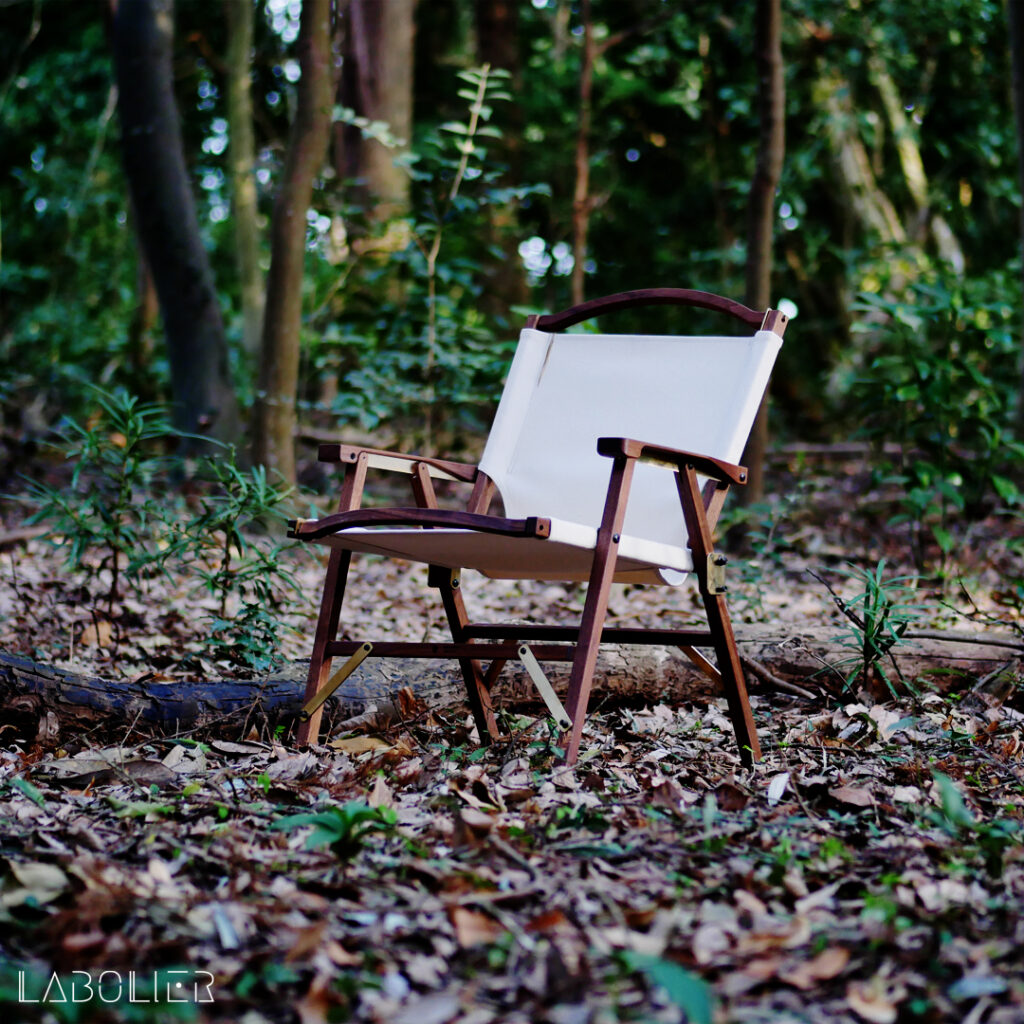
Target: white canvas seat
{"x":674,"y":413}
{"x":565,"y":555}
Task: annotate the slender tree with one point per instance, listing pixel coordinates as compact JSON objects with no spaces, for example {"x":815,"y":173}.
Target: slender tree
{"x":498,"y":46}
{"x":241,"y":161}
{"x":761,"y":214}
{"x":166,"y":220}
{"x":1015,"y":13}
{"x":582,"y":202}
{"x":274,"y":425}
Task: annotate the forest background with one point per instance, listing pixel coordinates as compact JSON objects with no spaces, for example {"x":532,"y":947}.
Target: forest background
{"x":619,"y":152}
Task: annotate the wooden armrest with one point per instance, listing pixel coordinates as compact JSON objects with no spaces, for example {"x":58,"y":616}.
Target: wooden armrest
{"x":398,"y":462}
{"x":717,"y":469}
{"x":315,"y":529}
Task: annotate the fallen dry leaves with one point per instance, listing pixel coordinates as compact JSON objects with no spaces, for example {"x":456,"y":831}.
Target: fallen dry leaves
{"x":876,"y":878}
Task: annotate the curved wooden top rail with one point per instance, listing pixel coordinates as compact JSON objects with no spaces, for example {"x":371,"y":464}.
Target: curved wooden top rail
{"x":646,"y":297}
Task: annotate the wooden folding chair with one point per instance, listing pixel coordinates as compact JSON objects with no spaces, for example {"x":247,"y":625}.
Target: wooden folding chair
{"x":672,"y":415}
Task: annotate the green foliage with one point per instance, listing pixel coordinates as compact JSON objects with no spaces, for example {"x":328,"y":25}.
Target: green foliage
{"x":346,"y":829}
{"x":391,"y":324}
{"x":572,"y":818}
{"x":939,"y":382}
{"x":112,"y":507}
{"x":879,"y":614}
{"x":67,"y":273}
{"x":412,"y":334}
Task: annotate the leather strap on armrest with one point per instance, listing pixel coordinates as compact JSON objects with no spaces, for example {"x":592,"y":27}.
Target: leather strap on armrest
{"x":380,"y":459}
{"x":315,"y":529}
{"x":717,"y":469}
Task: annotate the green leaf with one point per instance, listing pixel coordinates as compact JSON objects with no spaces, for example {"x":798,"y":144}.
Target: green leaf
{"x":26,"y":787}
{"x":689,"y":992}
{"x":1006,"y":489}
{"x":954,"y":808}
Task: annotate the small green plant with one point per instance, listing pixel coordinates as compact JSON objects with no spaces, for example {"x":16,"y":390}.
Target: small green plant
{"x":758,"y":527}
{"x":239,"y":499}
{"x":345,"y":829}
{"x":110,"y":507}
{"x":573,"y":818}
{"x":879,"y":616}
{"x":234,"y":568}
{"x":991,"y":839}
{"x":484,"y":87}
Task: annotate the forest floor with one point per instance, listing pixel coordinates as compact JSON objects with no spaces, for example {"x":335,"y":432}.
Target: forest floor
{"x":869,"y":869}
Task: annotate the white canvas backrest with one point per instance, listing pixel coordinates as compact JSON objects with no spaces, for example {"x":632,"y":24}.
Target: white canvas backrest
{"x":564,"y":391}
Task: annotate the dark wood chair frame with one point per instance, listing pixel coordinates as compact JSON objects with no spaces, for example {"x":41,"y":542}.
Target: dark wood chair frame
{"x":474,"y":642}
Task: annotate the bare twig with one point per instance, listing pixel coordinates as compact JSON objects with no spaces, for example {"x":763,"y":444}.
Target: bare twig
{"x":769,"y":678}
{"x":839,"y":602}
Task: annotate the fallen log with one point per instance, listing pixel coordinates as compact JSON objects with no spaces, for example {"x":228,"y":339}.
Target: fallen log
{"x":176,"y":705}
{"x":777,"y":660}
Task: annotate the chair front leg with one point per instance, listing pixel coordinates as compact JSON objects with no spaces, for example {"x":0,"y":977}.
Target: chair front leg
{"x":326,"y":630}
{"x":717,"y":611}
{"x":330,"y":604}
{"x":596,"y":607}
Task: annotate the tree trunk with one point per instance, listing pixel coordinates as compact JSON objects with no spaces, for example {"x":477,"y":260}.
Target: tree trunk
{"x":760,"y":232}
{"x":905,"y":136}
{"x":870,"y":206}
{"x":377,"y":77}
{"x":497,"y":45}
{"x":140,"y":331}
{"x":279,"y":358}
{"x":166,"y":221}
{"x":581,"y":201}
{"x":1015,"y":14}
{"x":241,"y":161}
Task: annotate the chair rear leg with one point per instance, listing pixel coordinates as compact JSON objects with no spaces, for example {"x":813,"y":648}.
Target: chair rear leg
{"x":478,"y":688}
{"x":326,"y":630}
{"x":733,"y":683}
{"x":695,"y":512}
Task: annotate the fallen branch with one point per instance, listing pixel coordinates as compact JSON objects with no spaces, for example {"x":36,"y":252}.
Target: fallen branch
{"x":967,"y":638}
{"x":20,"y":535}
{"x":755,"y":668}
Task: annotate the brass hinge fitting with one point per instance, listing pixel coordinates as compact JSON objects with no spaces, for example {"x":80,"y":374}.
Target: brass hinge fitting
{"x":715,"y":576}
